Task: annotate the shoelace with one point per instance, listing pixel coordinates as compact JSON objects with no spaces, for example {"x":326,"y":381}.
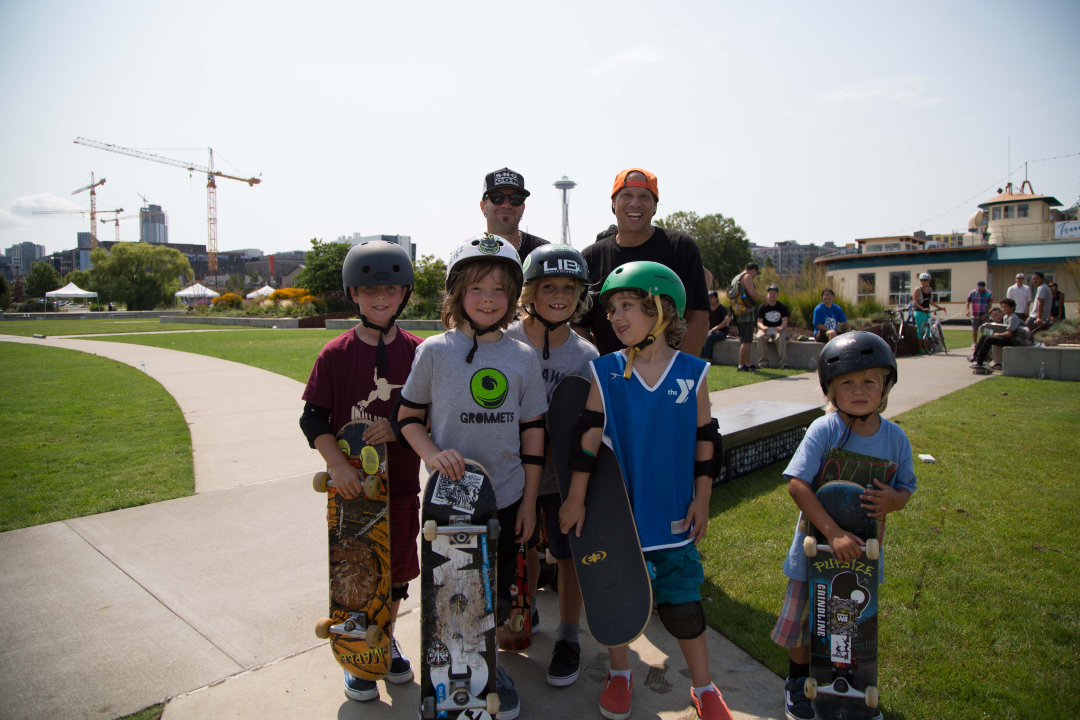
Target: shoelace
{"x":564,"y":651}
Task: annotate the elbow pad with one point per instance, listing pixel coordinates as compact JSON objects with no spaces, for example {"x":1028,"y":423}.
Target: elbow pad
{"x":315,"y":421}
{"x":396,"y":426}
{"x":710,"y":432}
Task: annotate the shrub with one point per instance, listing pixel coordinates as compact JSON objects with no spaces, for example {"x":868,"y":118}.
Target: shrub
{"x":227,"y":301}
{"x":294,"y":293}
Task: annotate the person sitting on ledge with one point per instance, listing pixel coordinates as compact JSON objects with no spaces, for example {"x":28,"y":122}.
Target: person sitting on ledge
{"x":829,"y":319}
{"x":986,"y":342}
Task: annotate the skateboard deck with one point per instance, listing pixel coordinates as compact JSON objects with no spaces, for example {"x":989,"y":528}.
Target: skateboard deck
{"x":515,"y":635}
{"x":458,"y":560}
{"x":611,"y":570}
{"x":359,"y":541}
{"x":844,"y":601}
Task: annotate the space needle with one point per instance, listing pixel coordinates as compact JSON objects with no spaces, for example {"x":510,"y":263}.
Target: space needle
{"x":565,"y":185}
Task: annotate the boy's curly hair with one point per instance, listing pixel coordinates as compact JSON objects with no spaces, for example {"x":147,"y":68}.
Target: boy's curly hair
{"x":676,"y":326}
{"x":528,"y":297}
{"x":883,"y":374}
{"x":452,"y":313}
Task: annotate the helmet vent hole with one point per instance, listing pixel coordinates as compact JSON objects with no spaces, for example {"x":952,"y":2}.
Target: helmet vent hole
{"x":474,"y":243}
{"x":367,"y":268}
{"x":397,"y":268}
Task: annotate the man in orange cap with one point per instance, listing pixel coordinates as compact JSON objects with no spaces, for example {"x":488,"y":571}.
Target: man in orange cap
{"x":633,"y":200}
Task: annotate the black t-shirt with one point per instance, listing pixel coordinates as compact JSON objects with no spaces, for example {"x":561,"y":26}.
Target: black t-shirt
{"x":717,"y":316}
{"x":671,"y":248}
{"x":528,"y":244}
{"x":773,"y":315}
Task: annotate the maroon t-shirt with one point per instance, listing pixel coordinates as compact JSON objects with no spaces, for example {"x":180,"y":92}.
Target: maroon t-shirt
{"x":344,"y":380}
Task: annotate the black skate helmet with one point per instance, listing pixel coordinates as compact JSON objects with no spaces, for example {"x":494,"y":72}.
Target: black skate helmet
{"x":852,"y":352}
{"x":377,"y":263}
{"x":555,"y":261}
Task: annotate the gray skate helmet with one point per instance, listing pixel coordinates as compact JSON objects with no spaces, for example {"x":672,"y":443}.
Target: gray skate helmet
{"x":852,"y":352}
{"x":554,"y":261}
{"x":377,"y":263}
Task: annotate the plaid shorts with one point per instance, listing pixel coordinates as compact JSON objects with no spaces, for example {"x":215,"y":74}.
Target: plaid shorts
{"x":793,"y":626}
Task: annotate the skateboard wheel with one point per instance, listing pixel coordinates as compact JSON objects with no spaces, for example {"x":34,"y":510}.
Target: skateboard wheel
{"x":374,"y":636}
{"x":322,"y":628}
{"x":873,"y":551}
{"x":493,"y":704}
{"x":427,"y":708}
{"x":372,"y":486}
{"x":431,"y":530}
{"x":493,"y":529}
{"x":321,"y":482}
{"x":517,"y":623}
{"x":809,"y":546}
{"x":369,"y":460}
{"x":872,"y":697}
{"x":810,"y":688}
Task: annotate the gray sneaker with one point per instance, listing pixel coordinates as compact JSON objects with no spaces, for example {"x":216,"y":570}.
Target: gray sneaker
{"x":509,"y":704}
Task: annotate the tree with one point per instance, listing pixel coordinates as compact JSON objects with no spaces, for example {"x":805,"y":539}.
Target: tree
{"x":140,"y":275}
{"x":18,"y":293}
{"x":235,"y":284}
{"x":81,"y":278}
{"x":429,"y":280}
{"x":322,"y":267}
{"x":723,"y":245}
{"x":253,"y":276}
{"x":41,"y":279}
{"x":5,"y":293}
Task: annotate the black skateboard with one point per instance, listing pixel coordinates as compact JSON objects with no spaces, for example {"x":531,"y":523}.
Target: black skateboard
{"x":458,"y":561}
{"x":611,"y":570}
{"x":844,"y":606}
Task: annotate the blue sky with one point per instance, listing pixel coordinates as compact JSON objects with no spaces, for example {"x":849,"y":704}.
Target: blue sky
{"x":813,"y":123}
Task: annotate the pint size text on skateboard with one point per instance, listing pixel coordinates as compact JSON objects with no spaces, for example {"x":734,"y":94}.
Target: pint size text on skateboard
{"x":832,"y":563}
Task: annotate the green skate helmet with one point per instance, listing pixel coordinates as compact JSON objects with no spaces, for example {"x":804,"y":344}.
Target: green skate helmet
{"x":655,"y":279}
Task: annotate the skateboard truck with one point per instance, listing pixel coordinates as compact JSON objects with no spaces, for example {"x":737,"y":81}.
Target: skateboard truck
{"x":354,"y":626}
{"x":460,"y":533}
{"x":811,"y":547}
{"x":841,"y":687}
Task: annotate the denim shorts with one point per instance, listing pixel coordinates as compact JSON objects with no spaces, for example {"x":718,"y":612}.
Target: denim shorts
{"x":678,"y":574}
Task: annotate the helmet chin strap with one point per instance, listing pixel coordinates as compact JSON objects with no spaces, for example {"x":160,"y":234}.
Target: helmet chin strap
{"x":548,"y":326}
{"x":477,"y":332}
{"x":658,"y":328}
{"x":382,"y":360}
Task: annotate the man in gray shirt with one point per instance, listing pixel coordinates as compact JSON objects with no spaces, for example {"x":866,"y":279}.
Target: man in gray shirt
{"x":1040,"y":306}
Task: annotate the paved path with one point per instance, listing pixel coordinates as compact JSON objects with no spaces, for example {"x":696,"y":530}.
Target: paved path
{"x":210,"y":600}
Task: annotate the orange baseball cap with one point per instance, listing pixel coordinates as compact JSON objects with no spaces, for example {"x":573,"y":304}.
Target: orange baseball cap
{"x":650,"y":182}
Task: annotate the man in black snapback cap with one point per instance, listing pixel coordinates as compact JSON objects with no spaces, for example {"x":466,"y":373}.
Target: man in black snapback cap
{"x":503,"y":204}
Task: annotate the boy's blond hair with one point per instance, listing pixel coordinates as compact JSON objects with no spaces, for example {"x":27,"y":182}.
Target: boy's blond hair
{"x":883,"y":374}
{"x":452,"y":313}
{"x":676,"y":326}
{"x":528,"y":296}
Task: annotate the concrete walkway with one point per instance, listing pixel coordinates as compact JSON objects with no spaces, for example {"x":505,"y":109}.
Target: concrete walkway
{"x":210,"y":601}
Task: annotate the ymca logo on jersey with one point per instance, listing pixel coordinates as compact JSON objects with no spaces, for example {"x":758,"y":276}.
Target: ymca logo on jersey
{"x":685,"y":387}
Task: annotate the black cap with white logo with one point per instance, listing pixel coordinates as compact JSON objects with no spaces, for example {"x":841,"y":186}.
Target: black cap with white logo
{"x":505,"y":178}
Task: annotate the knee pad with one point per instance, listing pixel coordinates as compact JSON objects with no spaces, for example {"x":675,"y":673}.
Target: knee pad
{"x":685,"y":621}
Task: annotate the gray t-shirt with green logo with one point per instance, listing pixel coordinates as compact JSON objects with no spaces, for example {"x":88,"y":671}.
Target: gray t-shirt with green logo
{"x":570,"y":358}
{"x":475,"y":407}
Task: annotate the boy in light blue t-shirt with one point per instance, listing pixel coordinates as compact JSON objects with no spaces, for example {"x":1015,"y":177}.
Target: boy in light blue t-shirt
{"x":856,"y":371}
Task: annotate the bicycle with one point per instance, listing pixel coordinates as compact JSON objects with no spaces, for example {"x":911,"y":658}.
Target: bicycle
{"x":892,"y":328}
{"x":932,"y":336}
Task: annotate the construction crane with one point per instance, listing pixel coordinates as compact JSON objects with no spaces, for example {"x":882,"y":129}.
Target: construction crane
{"x":116,"y":220}
{"x":93,"y":207}
{"x":211,"y":188}
{"x":92,"y":212}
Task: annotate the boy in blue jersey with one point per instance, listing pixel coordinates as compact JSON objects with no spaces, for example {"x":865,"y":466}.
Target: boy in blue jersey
{"x":656,"y":419}
{"x":856,"y":371}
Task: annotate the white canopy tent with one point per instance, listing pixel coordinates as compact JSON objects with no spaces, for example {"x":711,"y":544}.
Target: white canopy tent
{"x":261,"y":292}
{"x":71,"y":290}
{"x":198,"y":291}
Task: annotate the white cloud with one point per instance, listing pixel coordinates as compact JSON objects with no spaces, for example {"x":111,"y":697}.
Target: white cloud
{"x":906,"y":90}
{"x":7,"y":220}
{"x":27,"y":204}
{"x":638,"y":54}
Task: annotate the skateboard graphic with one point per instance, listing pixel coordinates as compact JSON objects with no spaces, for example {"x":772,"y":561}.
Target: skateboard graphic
{"x":458,"y":560}
{"x":515,"y":635}
{"x":844,"y":596}
{"x":615,"y":586}
{"x":359,"y":540}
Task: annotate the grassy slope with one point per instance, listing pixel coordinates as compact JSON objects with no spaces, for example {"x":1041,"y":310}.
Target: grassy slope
{"x":82,"y":434}
{"x":977,"y":621}
{"x":26,"y":328}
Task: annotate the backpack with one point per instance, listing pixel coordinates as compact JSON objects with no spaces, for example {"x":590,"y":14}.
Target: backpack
{"x":736,"y":291}
{"x":735,"y":288}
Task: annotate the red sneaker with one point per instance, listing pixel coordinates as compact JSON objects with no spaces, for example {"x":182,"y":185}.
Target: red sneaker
{"x":615,"y":700}
{"x":711,"y":706}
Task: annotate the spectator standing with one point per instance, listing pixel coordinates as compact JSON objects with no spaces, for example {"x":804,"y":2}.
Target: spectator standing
{"x":1057,"y":307}
{"x":503,"y":204}
{"x":633,"y":201}
{"x":978,"y":305}
{"x":829,"y":319}
{"x":1040,"y":307}
{"x":1021,"y":295}
{"x":1003,"y":339}
{"x":922,"y":299}
{"x":744,"y":308}
{"x":719,"y":320}
{"x":772,"y":322}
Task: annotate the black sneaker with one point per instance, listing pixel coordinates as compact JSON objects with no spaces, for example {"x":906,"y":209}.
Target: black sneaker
{"x":743,"y":368}
{"x":400,"y":667}
{"x":360,"y":689}
{"x":509,"y":705}
{"x":534,"y":621}
{"x":797,"y":706}
{"x":565,"y":663}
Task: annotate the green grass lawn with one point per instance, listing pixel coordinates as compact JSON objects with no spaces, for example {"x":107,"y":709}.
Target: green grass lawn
{"x":82,"y":434}
{"x":722,"y":377}
{"x":979,"y":617}
{"x":27,"y":328}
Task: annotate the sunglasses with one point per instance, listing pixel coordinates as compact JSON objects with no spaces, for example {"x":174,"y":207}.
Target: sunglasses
{"x":497,"y":199}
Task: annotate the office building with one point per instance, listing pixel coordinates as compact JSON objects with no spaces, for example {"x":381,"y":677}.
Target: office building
{"x":153,"y":225}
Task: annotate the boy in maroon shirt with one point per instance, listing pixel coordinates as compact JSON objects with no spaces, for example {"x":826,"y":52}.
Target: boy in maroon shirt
{"x":358,"y":376}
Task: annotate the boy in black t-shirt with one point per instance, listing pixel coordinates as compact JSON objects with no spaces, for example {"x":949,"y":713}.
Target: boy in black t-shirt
{"x":772,"y":321}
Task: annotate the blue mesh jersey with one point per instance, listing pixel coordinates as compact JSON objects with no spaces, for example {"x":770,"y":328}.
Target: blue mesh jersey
{"x":653,"y":432}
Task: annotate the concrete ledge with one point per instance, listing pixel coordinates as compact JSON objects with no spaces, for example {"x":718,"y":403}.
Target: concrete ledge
{"x":410,"y":325}
{"x":1056,"y":363}
{"x":91,"y":315}
{"x":242,"y":321}
{"x":799,"y":354}
{"x":760,"y":433}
